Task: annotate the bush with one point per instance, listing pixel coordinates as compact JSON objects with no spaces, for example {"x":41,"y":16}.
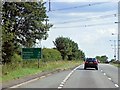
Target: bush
{"x":16,"y":58}
{"x":51,"y":55}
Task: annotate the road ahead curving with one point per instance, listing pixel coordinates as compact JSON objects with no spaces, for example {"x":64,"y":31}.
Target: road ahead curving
{"x":105,"y":77}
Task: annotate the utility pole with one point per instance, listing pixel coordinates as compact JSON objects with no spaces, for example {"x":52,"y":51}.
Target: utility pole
{"x":118,"y":30}
{"x":49,"y":5}
{"x":115,"y":50}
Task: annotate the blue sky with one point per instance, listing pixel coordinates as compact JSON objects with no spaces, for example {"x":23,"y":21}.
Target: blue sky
{"x":93,"y":40}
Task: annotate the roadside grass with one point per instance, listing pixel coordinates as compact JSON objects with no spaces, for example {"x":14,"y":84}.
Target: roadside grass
{"x":17,"y":71}
{"x":115,"y":64}
{"x":0,"y":73}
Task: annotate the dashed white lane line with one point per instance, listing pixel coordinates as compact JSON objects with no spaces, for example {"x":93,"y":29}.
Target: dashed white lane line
{"x":104,"y":73}
{"x":59,"y":87}
{"x":116,"y":85}
{"x":66,"y":78}
{"x":109,"y":78}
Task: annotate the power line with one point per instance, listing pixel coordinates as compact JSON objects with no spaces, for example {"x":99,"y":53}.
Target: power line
{"x":81,"y":6}
{"x":90,"y":25}
{"x":87,"y":19}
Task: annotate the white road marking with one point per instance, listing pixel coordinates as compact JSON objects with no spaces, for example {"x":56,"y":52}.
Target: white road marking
{"x":62,"y":83}
{"x":116,"y":85}
{"x":101,"y":70}
{"x":59,"y":87}
{"x":109,"y":78}
{"x":27,"y":82}
{"x":24,"y":83}
{"x":104,"y":73}
{"x":42,"y":77}
{"x":66,"y":78}
{"x":48,"y":74}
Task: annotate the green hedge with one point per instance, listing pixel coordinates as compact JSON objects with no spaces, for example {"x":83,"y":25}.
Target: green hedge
{"x":51,"y":55}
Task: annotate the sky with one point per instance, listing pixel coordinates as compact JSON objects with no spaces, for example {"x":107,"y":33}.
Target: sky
{"x":90,"y":24}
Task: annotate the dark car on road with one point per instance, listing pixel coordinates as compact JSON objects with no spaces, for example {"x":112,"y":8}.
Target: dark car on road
{"x":91,"y":63}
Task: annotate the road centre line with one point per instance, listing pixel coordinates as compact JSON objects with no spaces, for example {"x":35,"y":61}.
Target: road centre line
{"x":59,"y":87}
{"x":104,"y":73}
{"x":116,"y":85}
{"x":109,"y":78}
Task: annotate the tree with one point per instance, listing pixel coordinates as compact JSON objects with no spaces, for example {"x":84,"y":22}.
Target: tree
{"x":68,"y":48}
{"x":62,"y":45}
{"x":22,"y":24}
{"x":102,"y":58}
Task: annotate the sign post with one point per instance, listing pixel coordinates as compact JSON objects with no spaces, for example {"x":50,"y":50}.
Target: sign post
{"x":32,"y":53}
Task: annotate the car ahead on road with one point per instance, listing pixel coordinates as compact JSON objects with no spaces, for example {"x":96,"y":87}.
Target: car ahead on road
{"x":107,"y":62}
{"x":91,"y":63}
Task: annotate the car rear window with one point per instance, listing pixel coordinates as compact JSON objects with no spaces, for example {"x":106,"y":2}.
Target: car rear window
{"x":90,"y":59}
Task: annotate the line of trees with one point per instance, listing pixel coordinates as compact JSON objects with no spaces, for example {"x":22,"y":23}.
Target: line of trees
{"x":68,"y":48}
{"x":22,"y":24}
{"x":102,"y":59}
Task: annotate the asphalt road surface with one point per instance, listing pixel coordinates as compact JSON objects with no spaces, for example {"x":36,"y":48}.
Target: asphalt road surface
{"x":105,"y":77}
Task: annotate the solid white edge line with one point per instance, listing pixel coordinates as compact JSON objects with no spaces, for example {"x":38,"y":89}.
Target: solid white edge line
{"x":42,"y":77}
{"x":24,"y":83}
{"x":15,"y":86}
{"x":116,"y":85}
{"x":67,"y":77}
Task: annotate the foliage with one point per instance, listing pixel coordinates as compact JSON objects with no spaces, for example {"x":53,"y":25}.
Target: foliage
{"x":51,"y":55}
{"x":68,"y":48}
{"x":102,"y":58}
{"x":22,"y":24}
{"x":112,"y":60}
{"x":10,"y":72}
{"x":16,"y":58}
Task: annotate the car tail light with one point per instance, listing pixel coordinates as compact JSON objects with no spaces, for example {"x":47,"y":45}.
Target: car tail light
{"x":86,"y":62}
{"x":95,"y":62}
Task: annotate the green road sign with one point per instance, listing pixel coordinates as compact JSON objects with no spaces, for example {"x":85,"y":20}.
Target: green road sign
{"x":31,"y":53}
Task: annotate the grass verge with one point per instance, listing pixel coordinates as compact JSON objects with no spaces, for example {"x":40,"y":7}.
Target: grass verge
{"x":47,"y":66}
{"x":117,"y":65}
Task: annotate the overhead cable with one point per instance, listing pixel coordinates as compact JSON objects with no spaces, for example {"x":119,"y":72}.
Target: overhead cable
{"x":80,"y":6}
{"x":87,"y":19}
{"x":89,"y":25}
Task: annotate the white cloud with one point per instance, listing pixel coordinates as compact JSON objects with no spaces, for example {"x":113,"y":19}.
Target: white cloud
{"x":93,"y":40}
{"x":107,"y":32}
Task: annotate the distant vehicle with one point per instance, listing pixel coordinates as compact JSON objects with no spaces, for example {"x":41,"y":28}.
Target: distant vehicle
{"x":98,"y":61}
{"x":107,"y":62}
{"x":91,"y":63}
